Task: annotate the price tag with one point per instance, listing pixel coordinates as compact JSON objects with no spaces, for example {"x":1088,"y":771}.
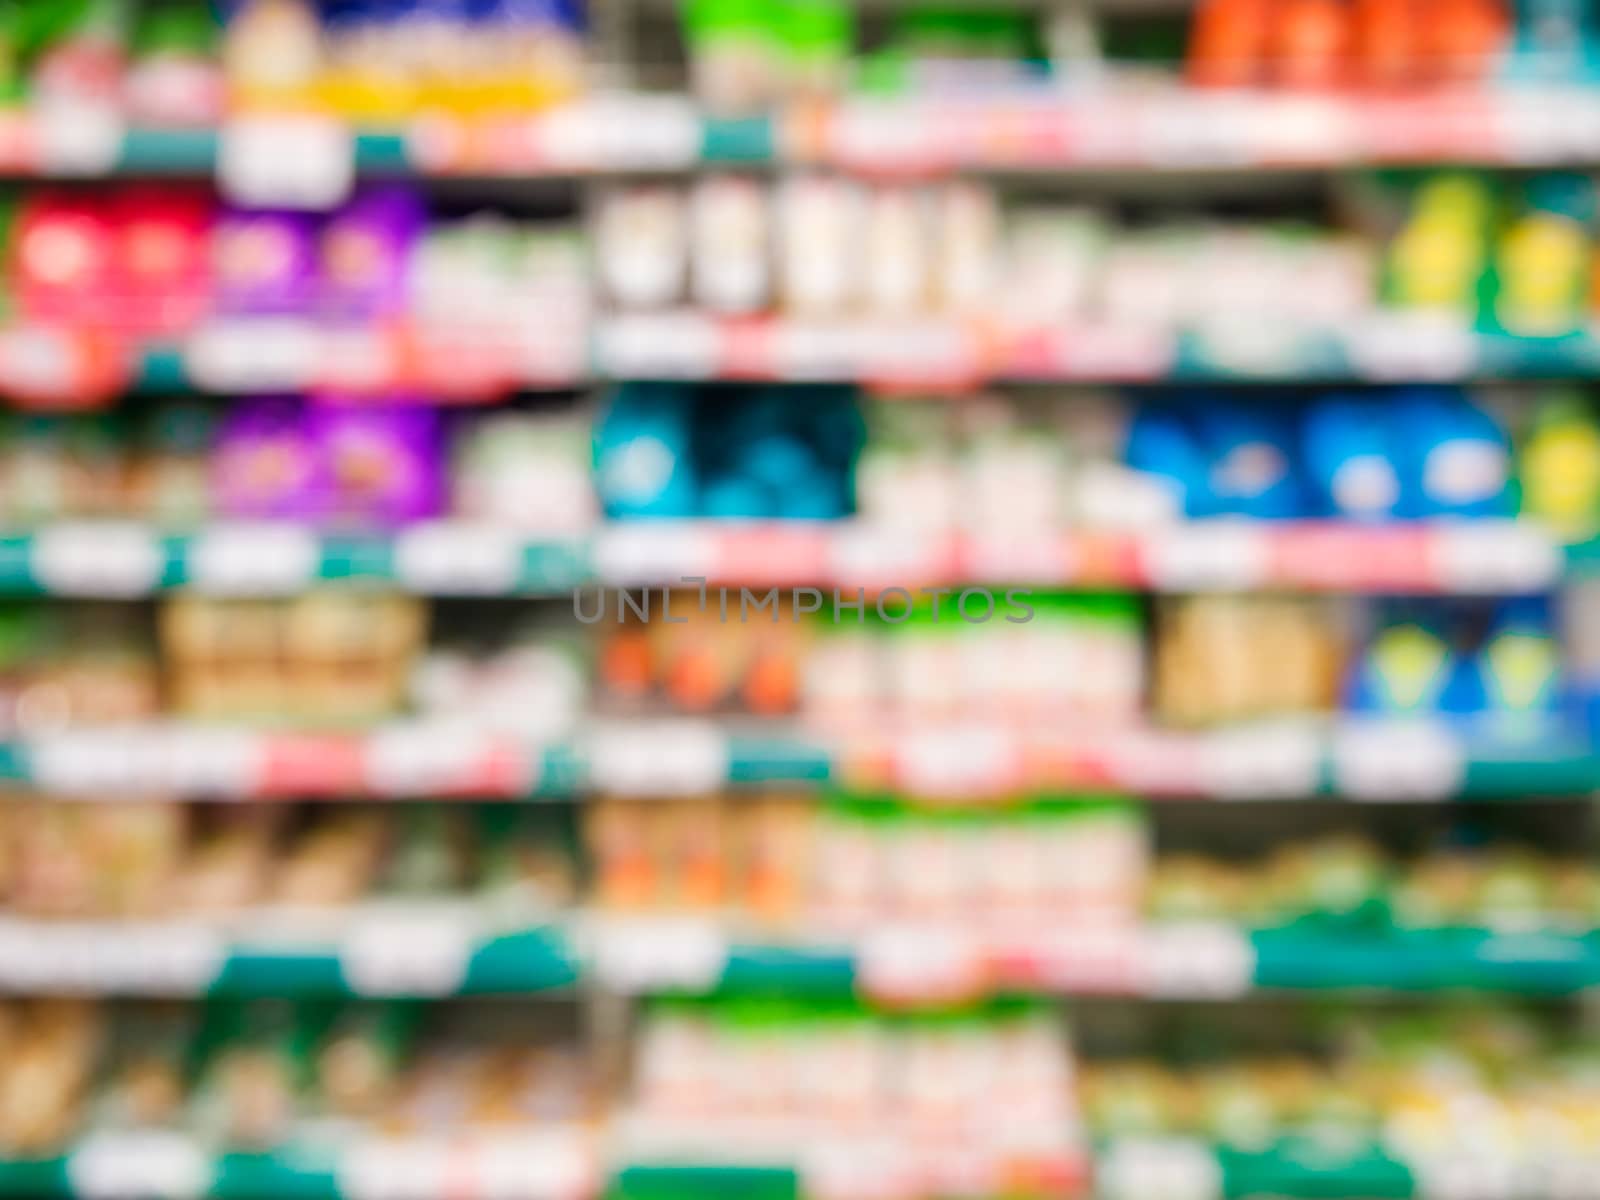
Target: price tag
{"x":669,"y":758}
{"x":646,"y":552}
{"x":1495,"y":557}
{"x":659,"y":346}
{"x":1207,"y":556}
{"x":394,"y":1169}
{"x":436,"y":758}
{"x":204,"y":761}
{"x":1462,"y":1174}
{"x":920,"y":962}
{"x":151,"y":1164}
{"x":643,"y":132}
{"x":93,"y":559}
{"x":1196,"y":131}
{"x":250,"y":354}
{"x":1252,"y":347}
{"x":814,"y":350}
{"x":1412,"y":347}
{"x":1280,"y":760}
{"x":401,"y":949}
{"x":1045,"y":557}
{"x":1298,"y":129}
{"x":254,"y":559}
{"x":867,"y":555}
{"x":1089,"y":956}
{"x":54,"y":367}
{"x":1397,"y":760}
{"x":537,"y":1164}
{"x":84,"y":763}
{"x":298,"y":160}
{"x":163,"y":959}
{"x":75,"y":138}
{"x":658,"y":953}
{"x":959,"y":761}
{"x":1159,"y":1169}
{"x":458,"y":558}
{"x":858,"y":1168}
{"x":365,"y":359}
{"x":1570,"y":1176}
{"x":886,"y":135}
{"x":1196,"y":960}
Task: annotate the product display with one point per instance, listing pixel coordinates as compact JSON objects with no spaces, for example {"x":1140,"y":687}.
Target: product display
{"x":788,"y":600}
{"x":1406,"y":1081}
{"x":158,"y":860}
{"x":259,"y":1077}
{"x":1350,"y":883}
{"x":841,"y":869}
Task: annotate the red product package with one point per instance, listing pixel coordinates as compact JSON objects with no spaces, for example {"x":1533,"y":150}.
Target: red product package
{"x":61,"y":259}
{"x":161,"y":259}
{"x":1387,"y":42}
{"x":1311,"y":43}
{"x":1226,"y":43}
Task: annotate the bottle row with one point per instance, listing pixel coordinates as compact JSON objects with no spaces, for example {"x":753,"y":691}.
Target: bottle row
{"x":1013,"y":469}
{"x":1038,"y":661}
{"x":1514,"y":257}
{"x":315,"y":1094}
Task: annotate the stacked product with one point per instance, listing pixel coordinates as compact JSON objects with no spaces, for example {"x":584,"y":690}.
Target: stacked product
{"x":245,"y":865}
{"x":1002,"y":874}
{"x":264,"y":1076}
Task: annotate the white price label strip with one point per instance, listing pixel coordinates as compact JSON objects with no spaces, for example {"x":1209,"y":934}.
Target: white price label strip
{"x":650,"y":953}
{"x":659,"y":346}
{"x":74,"y":137}
{"x":93,"y":559}
{"x":1201,"y":960}
{"x":1207,"y":556}
{"x":1495,"y":557}
{"x":394,"y":1169}
{"x":1411,"y":347}
{"x":1262,"y":762}
{"x":959,"y":761}
{"x":1464,"y":1175}
{"x":40,"y":359}
{"x":253,"y":354}
{"x":152,"y":1165}
{"x":254,"y":559}
{"x":649,"y":552}
{"x":458,"y":558}
{"x":541,"y":1164}
{"x":290,"y":161}
{"x":93,"y":761}
{"x":156,"y":959}
{"x":1397,"y":761}
{"x":201,"y":761}
{"x":643,"y":132}
{"x":673,"y":758}
{"x":1159,"y":1169}
{"x":917,"y":961}
{"x":425,"y":757}
{"x":407,"y":950}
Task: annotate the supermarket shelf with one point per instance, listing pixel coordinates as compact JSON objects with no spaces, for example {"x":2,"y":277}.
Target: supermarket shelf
{"x":378,"y":949}
{"x":541,"y":1162}
{"x":946,"y":352}
{"x":1372,"y":760}
{"x":908,"y":963}
{"x":555,"y":1163}
{"x":451,"y":558}
{"x":55,"y":367}
{"x":1163,"y":130}
{"x":446,"y":948}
